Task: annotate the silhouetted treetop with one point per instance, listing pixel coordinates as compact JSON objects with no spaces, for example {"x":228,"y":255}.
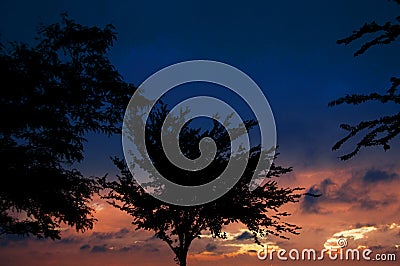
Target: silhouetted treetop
{"x":379,"y":131}
{"x":387,"y":32}
{"x":259,"y":210}
{"x":54,"y":92}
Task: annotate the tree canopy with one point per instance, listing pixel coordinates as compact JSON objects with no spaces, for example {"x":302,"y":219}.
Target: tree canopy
{"x":178,"y":226}
{"x":382,"y":130}
{"x":54,"y":92}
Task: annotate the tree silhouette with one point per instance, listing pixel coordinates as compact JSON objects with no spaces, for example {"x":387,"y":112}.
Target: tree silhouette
{"x":178,"y":226}
{"x":53,"y":94}
{"x":380,"y":131}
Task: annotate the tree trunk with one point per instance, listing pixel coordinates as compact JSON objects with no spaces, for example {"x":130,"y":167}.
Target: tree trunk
{"x":182,"y":258}
{"x":181,"y":250}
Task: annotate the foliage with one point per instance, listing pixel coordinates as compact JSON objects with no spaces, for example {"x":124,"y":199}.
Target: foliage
{"x":54,"y":92}
{"x":382,"y":130}
{"x":178,"y":226}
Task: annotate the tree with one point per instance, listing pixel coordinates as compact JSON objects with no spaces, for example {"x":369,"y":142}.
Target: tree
{"x":54,"y":93}
{"x":177,"y":225}
{"x":379,"y":131}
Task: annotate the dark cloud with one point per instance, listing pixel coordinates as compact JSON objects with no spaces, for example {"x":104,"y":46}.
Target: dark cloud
{"x":380,"y":248}
{"x":85,"y":247}
{"x":357,"y":191}
{"x":69,"y":240}
{"x":359,"y":225}
{"x":211,"y":247}
{"x":373,"y":176}
{"x":310,"y":204}
{"x":369,"y":204}
{"x":12,"y":239}
{"x":99,"y":249}
{"x":326,"y":183}
{"x":245,"y":235}
{"x":125,"y":249}
{"x":104,"y":236}
{"x":124,"y":231}
{"x":100,"y":235}
{"x":6,"y":240}
{"x":150,"y":248}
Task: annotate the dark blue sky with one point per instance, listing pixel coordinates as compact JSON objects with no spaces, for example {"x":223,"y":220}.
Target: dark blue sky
{"x":288,"y":47}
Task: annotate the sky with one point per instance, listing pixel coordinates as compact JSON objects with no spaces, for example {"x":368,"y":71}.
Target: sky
{"x":289,"y":49}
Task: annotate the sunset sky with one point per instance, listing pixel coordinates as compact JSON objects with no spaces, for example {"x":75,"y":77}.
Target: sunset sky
{"x":289,"y":48}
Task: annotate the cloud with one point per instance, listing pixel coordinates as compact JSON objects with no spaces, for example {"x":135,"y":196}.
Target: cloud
{"x":245,"y":235}
{"x":125,"y":249}
{"x":149,"y":247}
{"x":6,"y":240}
{"x":70,"y":240}
{"x":373,"y":176}
{"x":353,"y":234}
{"x":85,"y":247}
{"x":359,"y":225}
{"x":369,"y":204}
{"x":211,"y":247}
{"x":367,"y":192}
{"x":311,"y":204}
{"x":110,"y":235}
{"x":99,"y":249}
{"x":375,"y":237}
